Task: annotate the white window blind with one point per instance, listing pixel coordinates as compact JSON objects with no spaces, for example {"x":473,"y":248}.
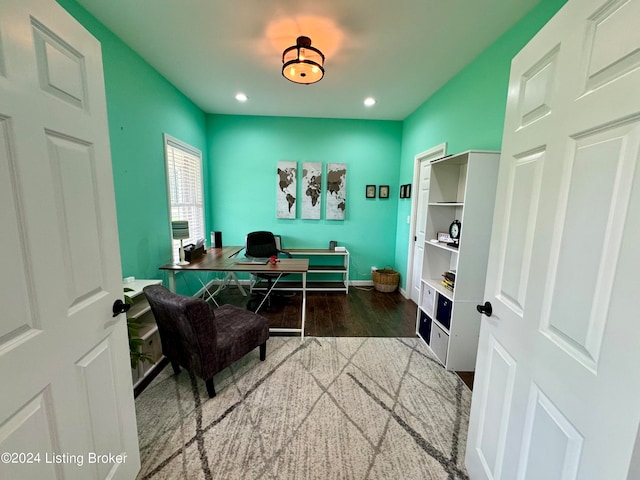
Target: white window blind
{"x":184,"y":183}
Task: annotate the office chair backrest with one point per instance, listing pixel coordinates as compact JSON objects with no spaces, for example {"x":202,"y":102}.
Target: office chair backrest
{"x":260,"y":244}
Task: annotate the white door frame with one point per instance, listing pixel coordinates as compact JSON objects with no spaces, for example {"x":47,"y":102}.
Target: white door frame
{"x":433,"y":153}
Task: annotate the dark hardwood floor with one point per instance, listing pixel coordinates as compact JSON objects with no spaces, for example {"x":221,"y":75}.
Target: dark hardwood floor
{"x":363,"y":312}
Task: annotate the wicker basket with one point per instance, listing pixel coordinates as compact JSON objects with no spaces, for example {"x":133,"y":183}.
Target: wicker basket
{"x":385,"y":280}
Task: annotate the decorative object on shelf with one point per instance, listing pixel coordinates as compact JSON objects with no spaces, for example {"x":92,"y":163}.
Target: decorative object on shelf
{"x":332,"y":245}
{"x":385,"y":280}
{"x":336,"y":191}
{"x":371,"y":191}
{"x":454,"y":233}
{"x":286,"y":184}
{"x":449,"y":280}
{"x":302,"y":63}
{"x":180,"y":231}
{"x":444,"y":237}
{"x":311,"y":190}
{"x":383,"y":191}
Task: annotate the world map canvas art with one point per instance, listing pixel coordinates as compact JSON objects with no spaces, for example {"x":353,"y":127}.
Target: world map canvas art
{"x":286,"y":185}
{"x":311,"y":190}
{"x":336,"y":190}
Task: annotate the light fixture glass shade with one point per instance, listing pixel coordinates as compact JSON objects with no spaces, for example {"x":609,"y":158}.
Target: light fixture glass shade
{"x":180,"y":229}
{"x":303,"y":63}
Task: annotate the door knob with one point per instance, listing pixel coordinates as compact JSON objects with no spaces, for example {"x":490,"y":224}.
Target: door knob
{"x":486,"y":309}
{"x":120,"y":307}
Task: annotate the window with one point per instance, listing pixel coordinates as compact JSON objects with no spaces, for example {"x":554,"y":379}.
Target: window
{"x":184,"y":184}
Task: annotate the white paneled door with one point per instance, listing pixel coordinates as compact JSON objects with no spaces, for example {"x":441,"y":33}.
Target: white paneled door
{"x":66,"y":407}
{"x":556,"y":394}
{"x":422,"y":167}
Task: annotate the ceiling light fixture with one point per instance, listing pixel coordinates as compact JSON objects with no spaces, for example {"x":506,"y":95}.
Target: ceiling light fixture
{"x":241,"y":97}
{"x":303,"y":63}
{"x":369,"y":102}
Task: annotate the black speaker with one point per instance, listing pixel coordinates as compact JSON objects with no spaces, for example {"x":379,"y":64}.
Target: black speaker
{"x":216,"y":239}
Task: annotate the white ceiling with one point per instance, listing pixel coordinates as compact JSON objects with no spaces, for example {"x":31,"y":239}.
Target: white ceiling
{"x":398,"y":51}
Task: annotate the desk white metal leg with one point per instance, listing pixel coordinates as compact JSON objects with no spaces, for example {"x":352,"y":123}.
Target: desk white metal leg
{"x":304,"y":308}
{"x":232,"y":276}
{"x":210,"y":296}
{"x":268,"y":293}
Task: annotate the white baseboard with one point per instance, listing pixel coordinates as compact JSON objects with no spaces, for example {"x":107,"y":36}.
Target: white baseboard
{"x":361,"y":283}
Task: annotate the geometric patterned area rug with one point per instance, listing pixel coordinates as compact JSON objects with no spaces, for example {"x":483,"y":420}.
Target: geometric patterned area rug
{"x":322,"y":408}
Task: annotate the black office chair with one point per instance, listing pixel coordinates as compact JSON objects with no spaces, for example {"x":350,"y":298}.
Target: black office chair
{"x":263,"y":245}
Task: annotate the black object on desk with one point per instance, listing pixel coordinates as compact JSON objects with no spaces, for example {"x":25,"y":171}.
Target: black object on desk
{"x":191,"y":252}
{"x":216,"y":239}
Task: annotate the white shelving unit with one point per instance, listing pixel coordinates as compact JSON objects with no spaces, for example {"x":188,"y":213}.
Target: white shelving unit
{"x":462,"y":187}
{"x":141,"y":311}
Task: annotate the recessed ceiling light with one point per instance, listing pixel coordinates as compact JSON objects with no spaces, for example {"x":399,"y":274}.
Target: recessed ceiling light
{"x":369,"y":102}
{"x":241,"y":97}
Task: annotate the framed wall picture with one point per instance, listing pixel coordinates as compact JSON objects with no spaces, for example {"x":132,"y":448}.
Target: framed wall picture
{"x":371,"y":191}
{"x":405,"y":190}
{"x":336,"y":198}
{"x":383,"y":191}
{"x":311,"y":192}
{"x":286,"y":189}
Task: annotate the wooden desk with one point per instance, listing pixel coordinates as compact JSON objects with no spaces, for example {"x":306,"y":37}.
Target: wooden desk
{"x":224,"y":260}
{"x":213,"y":261}
{"x":324,"y":269}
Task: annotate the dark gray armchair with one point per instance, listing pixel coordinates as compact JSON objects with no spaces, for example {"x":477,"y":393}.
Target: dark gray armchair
{"x":203,"y":340}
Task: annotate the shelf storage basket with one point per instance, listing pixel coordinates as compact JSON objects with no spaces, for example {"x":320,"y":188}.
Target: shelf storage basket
{"x":385,"y":280}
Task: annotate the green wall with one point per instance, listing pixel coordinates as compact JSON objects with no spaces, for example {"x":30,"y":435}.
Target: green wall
{"x":467,"y":113}
{"x":244,"y":152}
{"x":240,"y":154}
{"x":142,"y":105}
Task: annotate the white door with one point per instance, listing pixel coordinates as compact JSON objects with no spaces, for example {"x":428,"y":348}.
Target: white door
{"x":557,"y":393}
{"x":422,"y":167}
{"x":66,"y":407}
